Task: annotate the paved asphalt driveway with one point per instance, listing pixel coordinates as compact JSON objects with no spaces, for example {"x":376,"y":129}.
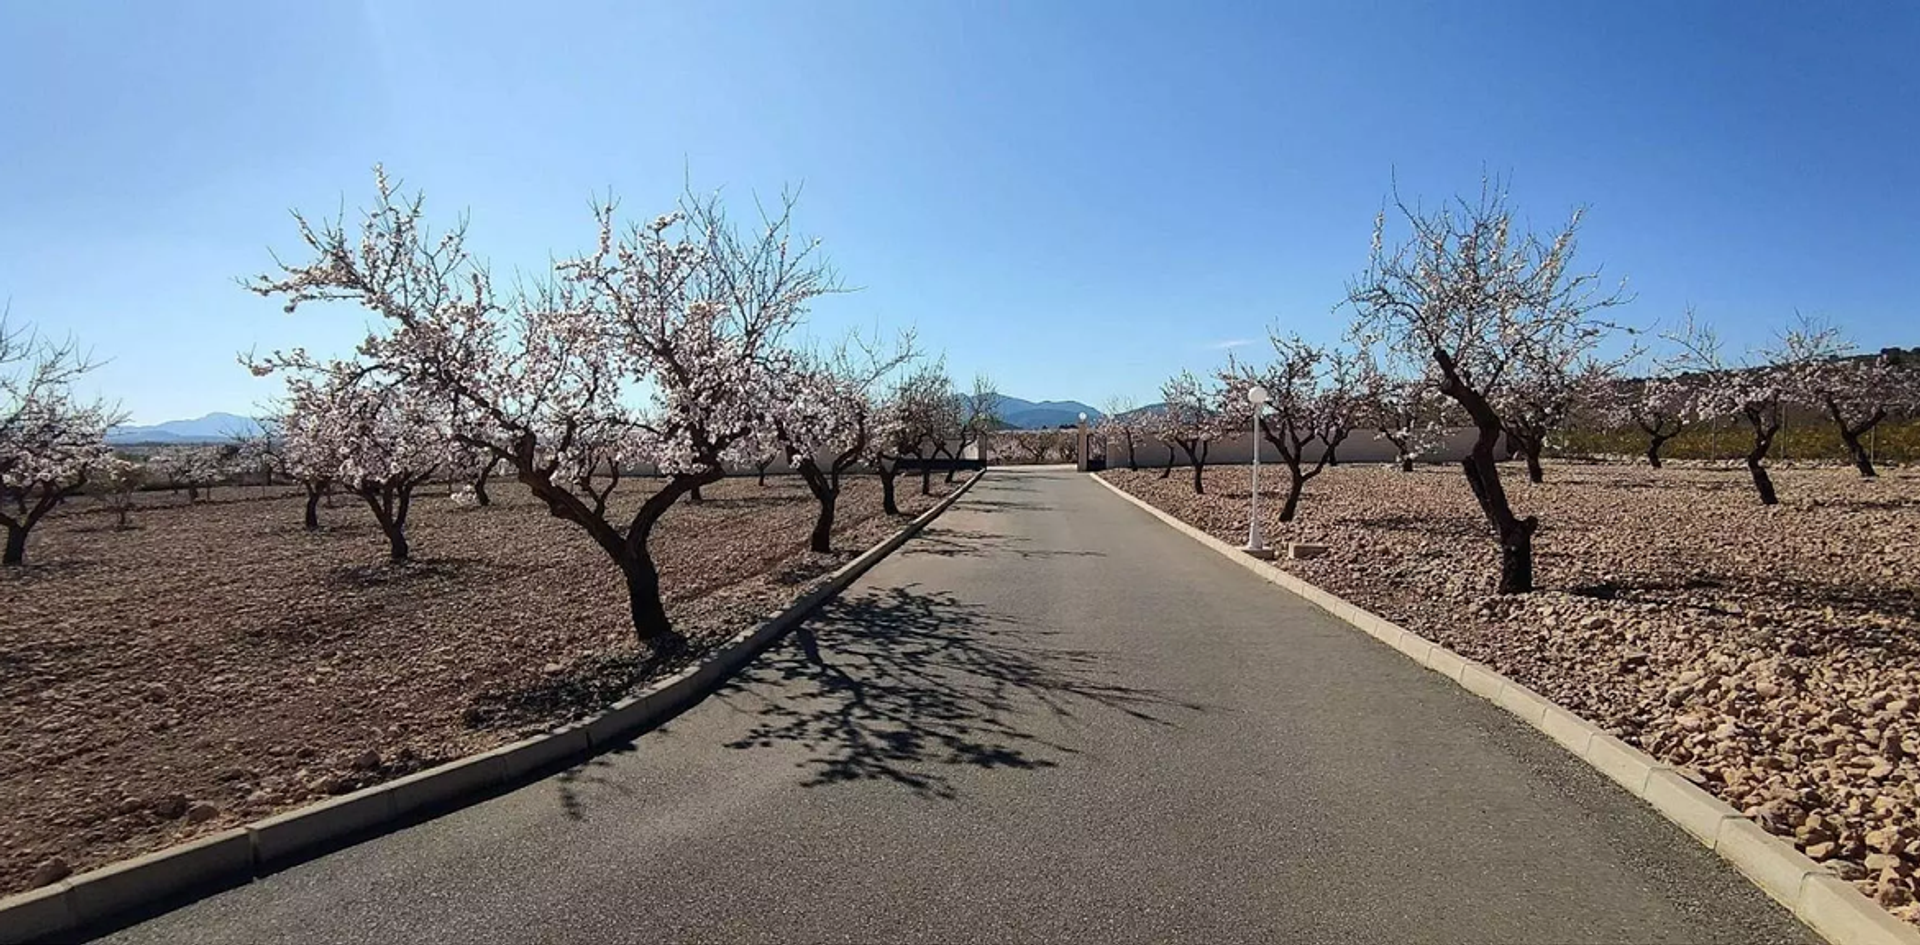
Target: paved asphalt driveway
{"x":1048,"y":718}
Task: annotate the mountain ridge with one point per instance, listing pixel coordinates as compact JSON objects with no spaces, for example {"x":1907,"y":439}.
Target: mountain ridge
{"x":215,"y":427}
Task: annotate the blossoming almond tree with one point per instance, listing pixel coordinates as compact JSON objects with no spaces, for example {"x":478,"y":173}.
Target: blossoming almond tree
{"x":1191,"y":421}
{"x":1480,"y":299}
{"x":1661,"y":407}
{"x":825,"y":419}
{"x":980,"y":415}
{"x":1402,"y":406}
{"x":1855,"y":392}
{"x":51,"y":442}
{"x":1311,"y":398}
{"x":196,"y":469}
{"x":1756,"y":391}
{"x":305,"y":462}
{"x":1546,"y":388}
{"x":379,"y":437}
{"x":1119,"y":420}
{"x":685,"y":313}
{"x":909,"y":421}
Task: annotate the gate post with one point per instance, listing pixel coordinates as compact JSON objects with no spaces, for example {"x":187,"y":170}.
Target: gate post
{"x":1081,"y":456}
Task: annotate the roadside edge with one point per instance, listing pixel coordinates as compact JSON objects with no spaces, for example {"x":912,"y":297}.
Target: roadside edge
{"x":1830,"y":906}
{"x":238,"y":855}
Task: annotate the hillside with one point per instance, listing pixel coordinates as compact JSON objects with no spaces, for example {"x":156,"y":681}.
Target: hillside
{"x":1021,"y":414}
{"x":212,"y":428}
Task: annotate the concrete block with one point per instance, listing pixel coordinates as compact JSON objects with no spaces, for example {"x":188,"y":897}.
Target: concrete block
{"x":1838,"y":911}
{"x":1696,"y":811}
{"x":1263,"y":554}
{"x":1481,"y":680}
{"x":1446,"y":662}
{"x":621,"y":721}
{"x":705,"y":676}
{"x":35,"y":914}
{"x":1530,"y":706}
{"x":1414,"y":645}
{"x":225,"y":857}
{"x":1626,"y":765}
{"x":448,"y":783}
{"x":1300,"y":550}
{"x":1571,"y":731}
{"x":1380,"y":628}
{"x":1770,"y":863}
{"x":544,"y":751}
{"x":286,"y":836}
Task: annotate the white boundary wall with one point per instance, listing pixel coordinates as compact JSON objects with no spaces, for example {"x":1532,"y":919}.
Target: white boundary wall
{"x":1361,"y":447}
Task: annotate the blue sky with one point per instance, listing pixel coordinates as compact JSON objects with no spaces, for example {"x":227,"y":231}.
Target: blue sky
{"x":1079,"y":198}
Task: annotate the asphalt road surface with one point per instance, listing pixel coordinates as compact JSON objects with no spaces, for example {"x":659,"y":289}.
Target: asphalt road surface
{"x":1049,"y":718}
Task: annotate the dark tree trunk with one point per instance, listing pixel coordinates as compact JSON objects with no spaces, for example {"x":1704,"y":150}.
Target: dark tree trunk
{"x":1400,"y":452}
{"x":1531,"y":449}
{"x":1296,"y":484}
{"x":695,"y":497}
{"x":1765,"y":424}
{"x":1861,"y":461}
{"x":1333,"y":453}
{"x":1132,"y":463}
{"x":397,"y":545}
{"x":16,"y":552}
{"x":826,"y":492}
{"x":394,"y":526}
{"x":1515,"y":534}
{"x":926,"y":479}
{"x":649,"y":612}
{"x":313,"y":508}
{"x":1851,"y":436}
{"x":1197,"y":458}
{"x":1654,"y":443}
{"x":480,"y":484}
{"x":1167,"y":470}
{"x":822,"y":538}
{"x":1483,"y":476}
{"x":760,"y":469}
{"x":1762,"y":483}
{"x":887,"y":503}
{"x":193,"y":494}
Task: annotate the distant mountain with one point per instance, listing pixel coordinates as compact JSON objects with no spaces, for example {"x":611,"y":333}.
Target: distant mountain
{"x":1147,"y":411}
{"x":212,"y":428}
{"x":1034,"y":415}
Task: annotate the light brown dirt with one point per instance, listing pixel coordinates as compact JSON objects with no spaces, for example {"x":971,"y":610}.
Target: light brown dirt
{"x":1772,"y":653}
{"x":216,"y":663}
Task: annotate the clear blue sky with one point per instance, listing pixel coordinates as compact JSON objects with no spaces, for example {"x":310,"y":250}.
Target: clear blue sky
{"x":1080,"y":198}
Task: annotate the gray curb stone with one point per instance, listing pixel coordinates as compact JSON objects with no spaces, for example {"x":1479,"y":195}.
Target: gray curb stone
{"x":258,"y":848}
{"x":1830,"y":906}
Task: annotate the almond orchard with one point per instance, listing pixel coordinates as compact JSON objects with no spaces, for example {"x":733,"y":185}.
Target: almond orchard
{"x":506,"y":508}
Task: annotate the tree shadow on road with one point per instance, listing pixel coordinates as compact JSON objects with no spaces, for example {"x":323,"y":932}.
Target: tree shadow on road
{"x":898,"y":683}
{"x":960,"y":542}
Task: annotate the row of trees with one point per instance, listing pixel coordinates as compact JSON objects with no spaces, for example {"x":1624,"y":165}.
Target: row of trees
{"x":669,"y":347}
{"x":1473,"y":322}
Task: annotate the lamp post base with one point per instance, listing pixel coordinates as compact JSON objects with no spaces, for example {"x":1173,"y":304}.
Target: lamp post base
{"x":1263,"y":553}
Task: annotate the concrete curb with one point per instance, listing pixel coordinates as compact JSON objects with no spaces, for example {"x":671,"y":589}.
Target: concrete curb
{"x":1829,"y":905}
{"x":238,"y":855}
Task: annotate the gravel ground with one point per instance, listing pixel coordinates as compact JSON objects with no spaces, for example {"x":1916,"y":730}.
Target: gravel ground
{"x":1772,"y":653}
{"x":215,"y":663}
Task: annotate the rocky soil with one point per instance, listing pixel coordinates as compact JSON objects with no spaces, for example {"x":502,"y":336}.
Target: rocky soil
{"x":1773,"y":654}
{"x":215,"y":663}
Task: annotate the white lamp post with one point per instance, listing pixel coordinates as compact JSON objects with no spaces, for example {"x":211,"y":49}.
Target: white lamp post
{"x":1256,"y":543}
{"x":1082,"y":456}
